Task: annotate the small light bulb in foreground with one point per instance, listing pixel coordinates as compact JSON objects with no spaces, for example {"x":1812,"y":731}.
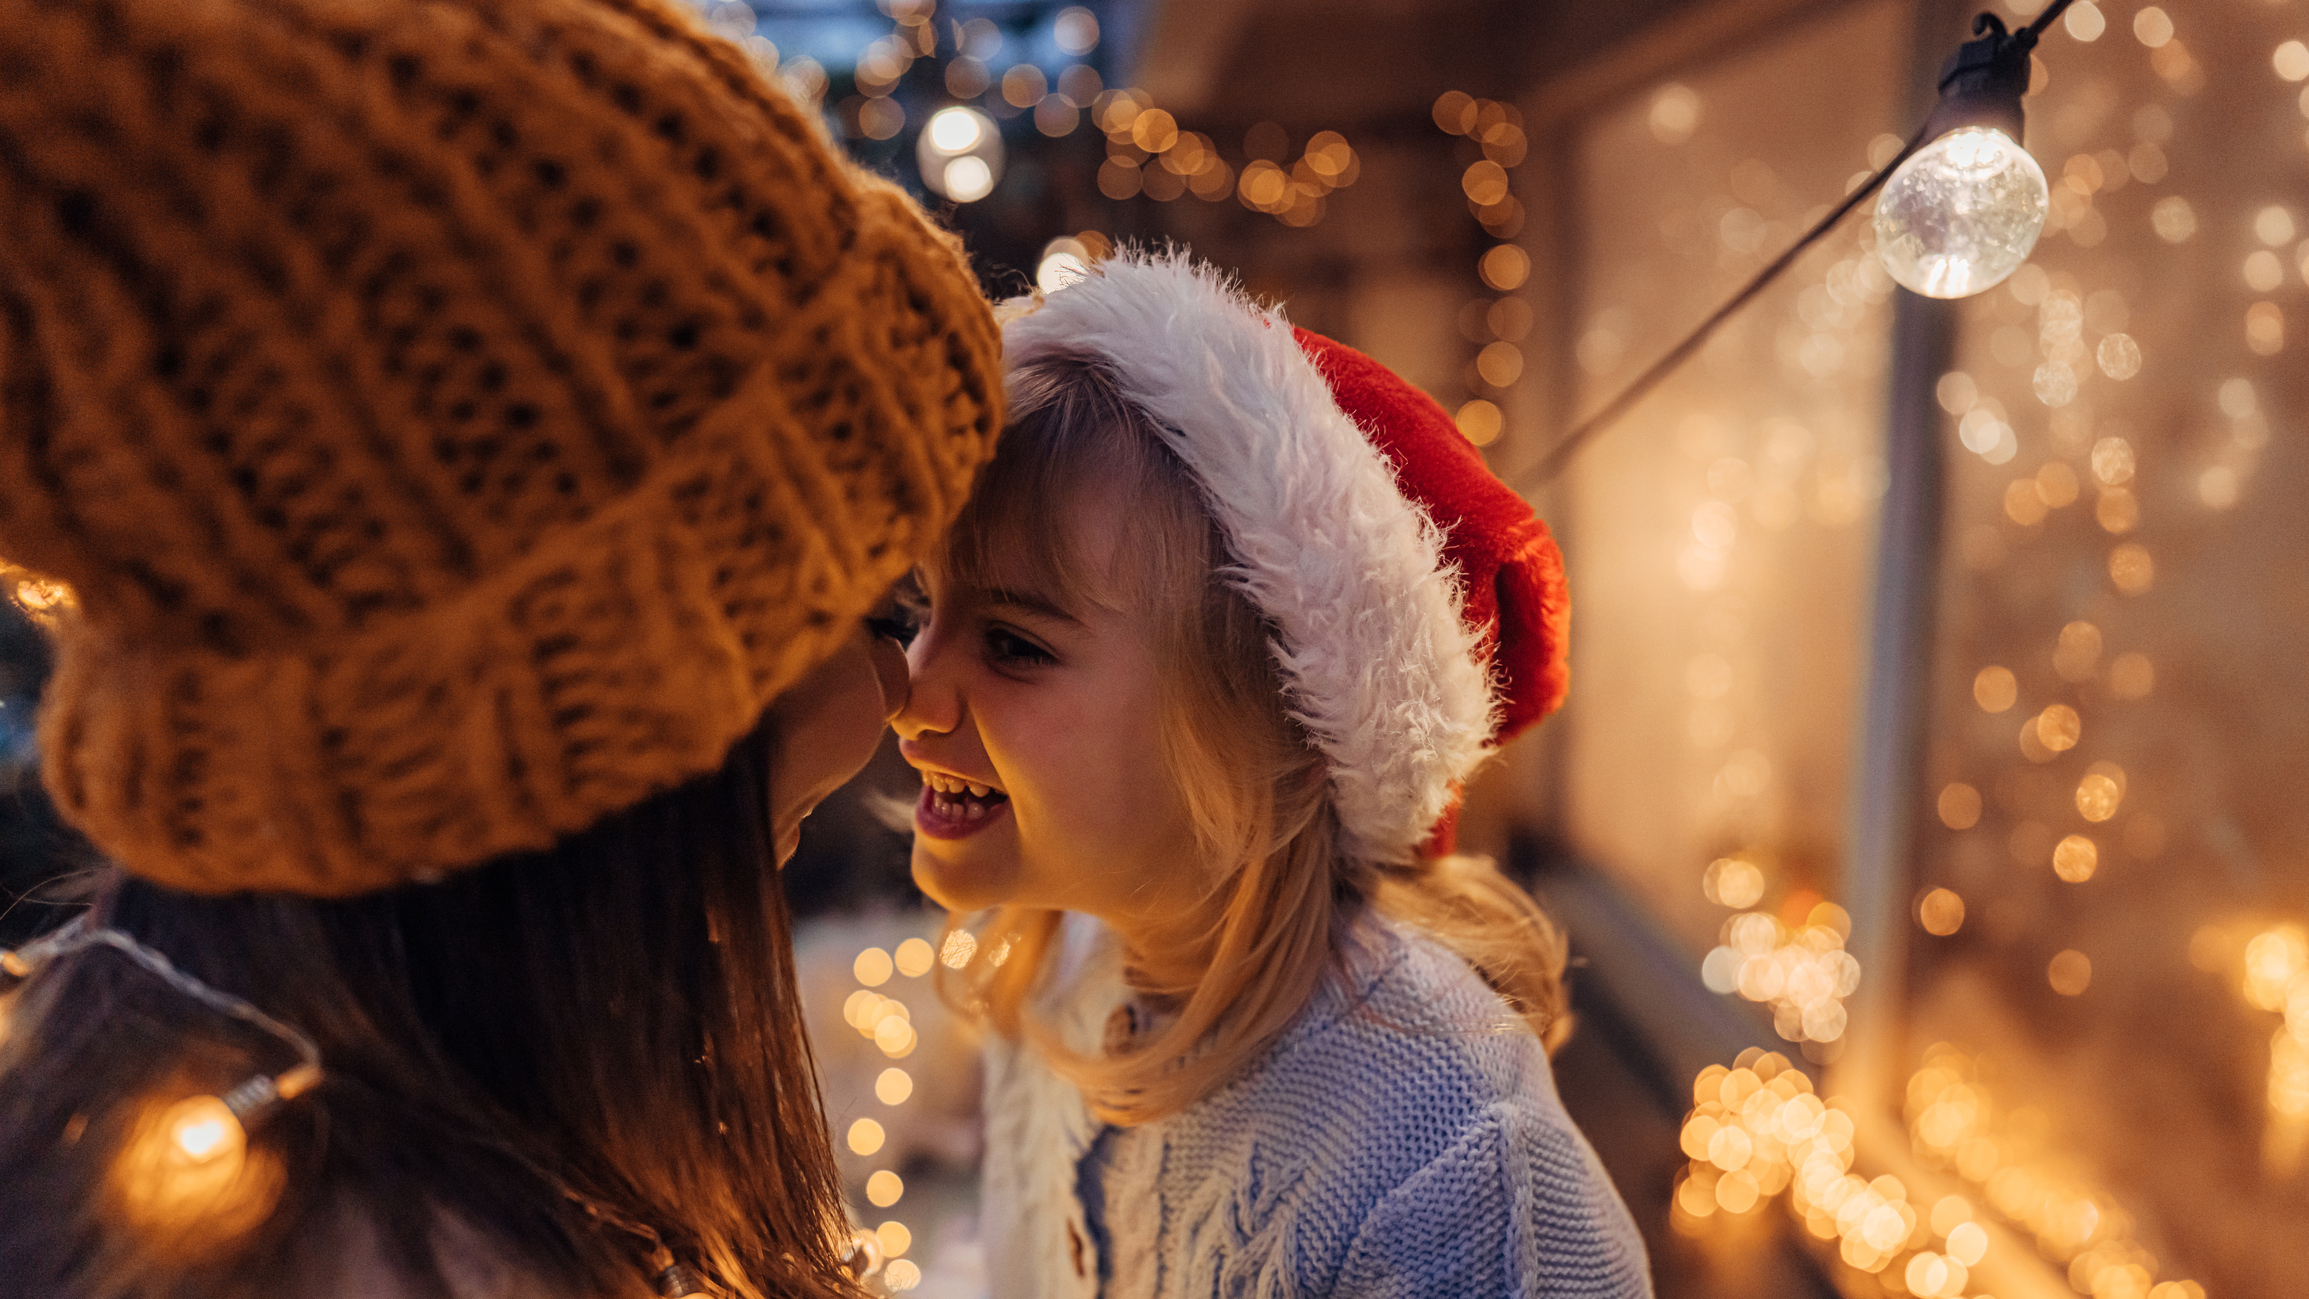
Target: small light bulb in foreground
{"x":1962,"y":214}
{"x":203,"y":1128}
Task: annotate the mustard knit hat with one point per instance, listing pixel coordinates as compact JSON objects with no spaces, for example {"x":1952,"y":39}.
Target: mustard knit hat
{"x":457,"y":419}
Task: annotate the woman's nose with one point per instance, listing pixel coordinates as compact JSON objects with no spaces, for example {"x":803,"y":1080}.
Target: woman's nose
{"x":891,"y":672}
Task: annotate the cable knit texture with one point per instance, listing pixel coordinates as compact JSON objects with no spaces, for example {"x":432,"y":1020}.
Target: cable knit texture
{"x":1403,"y":1138}
{"x":457,"y":418}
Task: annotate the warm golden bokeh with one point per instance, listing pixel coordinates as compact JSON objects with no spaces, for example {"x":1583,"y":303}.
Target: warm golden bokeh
{"x":2070,"y":973}
{"x":1959,"y":806}
{"x":1995,"y":689}
{"x":1941,"y":912}
{"x":873,"y":967}
{"x":188,"y":1182}
{"x":914,"y":958}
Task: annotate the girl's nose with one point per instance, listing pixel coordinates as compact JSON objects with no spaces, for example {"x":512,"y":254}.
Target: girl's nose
{"x":933,"y":703}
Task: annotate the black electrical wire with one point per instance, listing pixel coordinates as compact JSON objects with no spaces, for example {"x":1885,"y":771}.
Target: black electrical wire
{"x":1559,"y":456}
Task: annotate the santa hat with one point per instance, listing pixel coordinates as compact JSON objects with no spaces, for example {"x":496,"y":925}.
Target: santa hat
{"x":1419,"y":604}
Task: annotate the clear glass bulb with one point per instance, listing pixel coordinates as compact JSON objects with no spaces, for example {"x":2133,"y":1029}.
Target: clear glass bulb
{"x":1961,"y":214}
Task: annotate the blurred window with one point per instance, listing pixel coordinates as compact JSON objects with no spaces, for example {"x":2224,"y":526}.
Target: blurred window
{"x":2098,"y":1029}
{"x":1721,"y":539}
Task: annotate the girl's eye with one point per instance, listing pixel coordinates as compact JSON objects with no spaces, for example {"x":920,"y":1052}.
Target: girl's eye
{"x":1008,"y":647}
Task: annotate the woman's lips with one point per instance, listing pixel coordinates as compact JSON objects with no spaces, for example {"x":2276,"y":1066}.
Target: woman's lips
{"x":957,"y":816}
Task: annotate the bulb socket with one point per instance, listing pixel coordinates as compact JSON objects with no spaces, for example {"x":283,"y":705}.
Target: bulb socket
{"x":1982,"y":84}
{"x":677,"y":1282}
{"x":255,"y":1099}
{"x":251,"y":1100}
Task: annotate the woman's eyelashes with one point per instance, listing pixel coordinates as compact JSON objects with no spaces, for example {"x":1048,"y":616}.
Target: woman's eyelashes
{"x":899,"y":627}
{"x":901,"y":614}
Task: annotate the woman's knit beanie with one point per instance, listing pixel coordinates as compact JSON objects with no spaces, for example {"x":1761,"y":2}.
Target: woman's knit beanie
{"x":457,"y":419}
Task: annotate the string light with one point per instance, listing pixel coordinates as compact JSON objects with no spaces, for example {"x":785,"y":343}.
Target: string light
{"x":1487,"y":184}
{"x":1954,"y":1123}
{"x":960,"y":154}
{"x":914,"y":958}
{"x":1803,"y":973}
{"x":1963,"y":212}
{"x":187,"y":1175}
{"x":875,"y":1252}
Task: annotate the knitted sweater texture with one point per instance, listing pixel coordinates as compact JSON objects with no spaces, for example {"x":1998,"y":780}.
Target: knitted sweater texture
{"x":1402,"y":1138}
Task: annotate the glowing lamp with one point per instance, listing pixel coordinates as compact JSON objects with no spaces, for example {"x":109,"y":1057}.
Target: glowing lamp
{"x":1964,"y":211}
{"x":203,"y":1128}
{"x":960,"y":154}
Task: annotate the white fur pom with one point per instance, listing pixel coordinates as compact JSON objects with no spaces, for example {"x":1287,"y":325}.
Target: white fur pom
{"x":1380,"y":670}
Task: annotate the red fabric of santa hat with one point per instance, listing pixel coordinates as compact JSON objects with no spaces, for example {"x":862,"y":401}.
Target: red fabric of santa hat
{"x":1419,"y":604}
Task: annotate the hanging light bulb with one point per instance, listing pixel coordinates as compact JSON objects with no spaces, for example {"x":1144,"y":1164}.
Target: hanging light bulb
{"x":960,"y":154}
{"x":1964,"y":211}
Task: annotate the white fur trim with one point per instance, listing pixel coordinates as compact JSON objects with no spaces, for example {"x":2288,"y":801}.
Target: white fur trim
{"x":1038,"y":1128}
{"x":1380,"y":671}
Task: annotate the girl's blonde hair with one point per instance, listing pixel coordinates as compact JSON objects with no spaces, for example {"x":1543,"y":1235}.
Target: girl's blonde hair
{"x":1279,"y":894}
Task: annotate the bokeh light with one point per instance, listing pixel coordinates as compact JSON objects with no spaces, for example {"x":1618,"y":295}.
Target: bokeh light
{"x":1940,"y":912}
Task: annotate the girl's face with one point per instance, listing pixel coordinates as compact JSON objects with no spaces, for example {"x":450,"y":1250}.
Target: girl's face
{"x":1034,"y":720}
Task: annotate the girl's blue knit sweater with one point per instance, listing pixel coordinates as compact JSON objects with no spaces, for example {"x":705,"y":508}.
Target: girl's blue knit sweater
{"x":1402,"y":1138}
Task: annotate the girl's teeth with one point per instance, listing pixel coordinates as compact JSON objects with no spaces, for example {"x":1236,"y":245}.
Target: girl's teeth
{"x":944,"y":784}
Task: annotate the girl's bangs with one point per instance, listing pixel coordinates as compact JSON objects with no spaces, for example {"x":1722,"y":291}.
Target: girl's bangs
{"x":1069,"y":432}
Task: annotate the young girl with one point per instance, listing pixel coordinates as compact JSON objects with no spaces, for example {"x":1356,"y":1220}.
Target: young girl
{"x":474,"y":431}
{"x":1232,"y":616}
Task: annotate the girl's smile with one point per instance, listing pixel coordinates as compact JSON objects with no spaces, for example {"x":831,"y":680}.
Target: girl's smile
{"x":952,"y":808}
{"x":1034,"y":717}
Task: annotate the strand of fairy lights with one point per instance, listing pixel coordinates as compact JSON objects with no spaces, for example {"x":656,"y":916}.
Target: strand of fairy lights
{"x":1148,"y":151}
{"x":888,"y":1023}
{"x":1487,"y":182}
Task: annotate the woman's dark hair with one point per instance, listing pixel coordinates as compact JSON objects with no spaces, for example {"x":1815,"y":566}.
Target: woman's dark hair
{"x":533,"y":1057}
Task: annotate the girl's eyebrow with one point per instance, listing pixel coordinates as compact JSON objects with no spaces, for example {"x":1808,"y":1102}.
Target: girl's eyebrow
{"x":1030,"y":602}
